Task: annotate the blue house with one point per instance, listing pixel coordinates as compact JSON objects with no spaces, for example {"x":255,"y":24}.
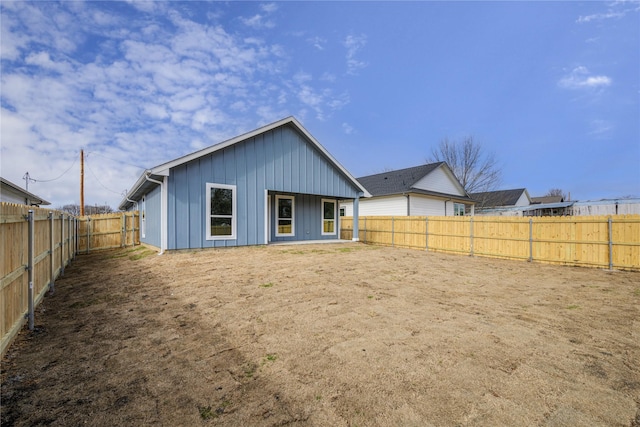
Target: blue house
{"x":276,"y":183}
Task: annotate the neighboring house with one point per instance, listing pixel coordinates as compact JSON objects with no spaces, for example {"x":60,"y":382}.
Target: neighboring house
{"x":426,"y":190}
{"x":11,"y":193}
{"x":500,"y":202}
{"x":276,"y":183}
{"x":547,"y":199}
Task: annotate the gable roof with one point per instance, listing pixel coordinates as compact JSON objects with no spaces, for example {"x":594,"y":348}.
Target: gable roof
{"x":403,"y":180}
{"x":7,"y":186}
{"x":490,"y":199}
{"x":161,"y":170}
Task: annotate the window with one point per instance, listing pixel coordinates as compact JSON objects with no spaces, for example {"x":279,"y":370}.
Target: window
{"x":221,"y":212}
{"x":285,"y":216}
{"x":328,"y":217}
{"x":342,"y":210}
{"x":458,"y":209}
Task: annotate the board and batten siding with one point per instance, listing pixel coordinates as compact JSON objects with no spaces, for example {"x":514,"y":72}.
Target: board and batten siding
{"x":280,"y":160}
{"x":439,"y":181}
{"x":152,"y":217}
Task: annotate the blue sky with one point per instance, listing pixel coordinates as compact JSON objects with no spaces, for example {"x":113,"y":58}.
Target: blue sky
{"x":552,"y":88}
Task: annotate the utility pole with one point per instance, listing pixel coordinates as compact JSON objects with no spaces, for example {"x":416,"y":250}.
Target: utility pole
{"x":27,"y":178}
{"x":81,"y":182}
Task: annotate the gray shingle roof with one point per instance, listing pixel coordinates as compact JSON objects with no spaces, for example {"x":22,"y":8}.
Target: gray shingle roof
{"x":397,"y":181}
{"x":490,"y":199}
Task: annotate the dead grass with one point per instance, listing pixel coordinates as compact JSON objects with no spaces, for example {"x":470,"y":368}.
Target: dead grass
{"x":327,"y":335}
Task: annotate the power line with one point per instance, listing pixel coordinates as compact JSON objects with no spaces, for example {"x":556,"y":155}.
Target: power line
{"x":75,"y":158}
{"x":100,"y":182}
{"x":114,"y":160}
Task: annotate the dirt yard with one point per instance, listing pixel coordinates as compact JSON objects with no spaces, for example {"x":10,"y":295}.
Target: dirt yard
{"x":327,"y":335}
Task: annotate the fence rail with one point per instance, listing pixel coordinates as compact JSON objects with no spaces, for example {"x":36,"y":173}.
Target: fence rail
{"x":595,"y":241}
{"x":37,"y":244}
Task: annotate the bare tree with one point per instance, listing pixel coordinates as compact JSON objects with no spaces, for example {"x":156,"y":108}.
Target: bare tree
{"x":557,"y":192}
{"x":476,"y":169}
{"x":74,"y":209}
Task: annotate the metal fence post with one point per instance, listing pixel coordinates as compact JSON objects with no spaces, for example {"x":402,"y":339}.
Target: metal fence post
{"x":365,"y":229}
{"x":610,"y":223}
{"x":52,"y":249}
{"x":392,"y":230}
{"x":426,"y":234}
{"x":30,"y":268}
{"x":62,"y":244}
{"x":470,"y":236}
{"x":530,"y":239}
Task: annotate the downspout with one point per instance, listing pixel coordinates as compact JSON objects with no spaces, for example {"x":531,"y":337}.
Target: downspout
{"x":408,"y":205}
{"x":162,"y":231}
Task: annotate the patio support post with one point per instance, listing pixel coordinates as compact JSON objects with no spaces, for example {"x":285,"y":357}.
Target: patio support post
{"x":356,"y":214}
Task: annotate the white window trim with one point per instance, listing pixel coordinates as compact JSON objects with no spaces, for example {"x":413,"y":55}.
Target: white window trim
{"x":293,"y":215}
{"x":335,"y":220}
{"x":458,"y":206}
{"x":234,"y":216}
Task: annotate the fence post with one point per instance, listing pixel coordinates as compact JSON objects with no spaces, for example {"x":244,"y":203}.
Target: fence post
{"x":392,"y":230}
{"x":530,"y":239}
{"x":62,"y":244}
{"x":30,"y":268}
{"x":470,"y":236}
{"x":52,"y":271}
{"x":123,"y":226}
{"x":88,"y":234}
{"x":426,"y":233}
{"x":365,"y":229}
{"x":610,"y":223}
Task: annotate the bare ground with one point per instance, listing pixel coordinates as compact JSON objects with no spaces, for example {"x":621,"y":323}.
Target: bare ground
{"x":327,"y":335}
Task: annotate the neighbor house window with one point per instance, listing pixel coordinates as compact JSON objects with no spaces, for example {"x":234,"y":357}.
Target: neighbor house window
{"x":285,"y":224}
{"x":221,"y":211}
{"x":458,"y":209}
{"x":328,"y":217}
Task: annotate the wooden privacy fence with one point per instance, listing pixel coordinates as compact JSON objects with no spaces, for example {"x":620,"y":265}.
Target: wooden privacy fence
{"x":593,"y":241}
{"x":37,"y":244}
{"x":108,"y":231}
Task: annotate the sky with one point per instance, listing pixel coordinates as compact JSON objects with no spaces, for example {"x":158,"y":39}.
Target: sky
{"x":552,"y":89}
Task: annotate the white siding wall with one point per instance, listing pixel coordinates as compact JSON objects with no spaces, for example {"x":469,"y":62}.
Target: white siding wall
{"x":382,"y":206}
{"x":10,"y":197}
{"x":424,"y":206}
{"x":439,"y":181}
{"x":522,"y":201}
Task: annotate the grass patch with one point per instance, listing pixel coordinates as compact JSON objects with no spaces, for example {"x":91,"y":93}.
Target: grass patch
{"x":572,"y":307}
{"x":141,"y":255}
{"x":636,"y":292}
{"x":271,"y":357}
{"x":206,"y":413}
{"x":267,"y":285}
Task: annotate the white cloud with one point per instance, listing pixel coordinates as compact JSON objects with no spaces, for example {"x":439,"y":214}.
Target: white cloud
{"x":157,"y":85}
{"x":317,"y":42}
{"x":617,"y":9}
{"x":581,"y":78}
{"x":348,"y":129}
{"x":257,"y":22}
{"x":600,"y":127}
{"x":354,"y":44}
